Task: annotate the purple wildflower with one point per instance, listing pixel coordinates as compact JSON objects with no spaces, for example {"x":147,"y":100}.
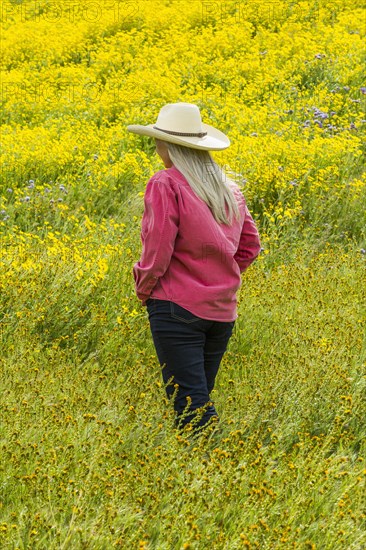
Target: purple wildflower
{"x":320,"y":114}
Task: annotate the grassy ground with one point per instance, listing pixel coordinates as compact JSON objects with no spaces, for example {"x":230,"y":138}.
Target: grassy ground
{"x":90,"y":459}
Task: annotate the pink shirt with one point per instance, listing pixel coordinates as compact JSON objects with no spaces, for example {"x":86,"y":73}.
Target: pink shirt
{"x":187,"y":257}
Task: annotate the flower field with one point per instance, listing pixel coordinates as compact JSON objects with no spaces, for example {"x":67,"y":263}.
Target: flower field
{"x":89,"y":456}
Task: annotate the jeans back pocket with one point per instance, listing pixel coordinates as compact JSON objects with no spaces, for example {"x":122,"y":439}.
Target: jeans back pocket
{"x":182,"y":314}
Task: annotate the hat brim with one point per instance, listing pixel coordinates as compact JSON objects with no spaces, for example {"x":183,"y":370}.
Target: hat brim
{"x":213,"y":141}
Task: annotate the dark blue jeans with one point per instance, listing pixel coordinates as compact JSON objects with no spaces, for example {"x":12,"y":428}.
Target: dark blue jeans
{"x":190,"y":350}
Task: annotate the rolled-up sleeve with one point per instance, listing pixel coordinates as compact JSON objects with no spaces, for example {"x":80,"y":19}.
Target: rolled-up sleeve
{"x":159,"y":229}
{"x":249,"y":245}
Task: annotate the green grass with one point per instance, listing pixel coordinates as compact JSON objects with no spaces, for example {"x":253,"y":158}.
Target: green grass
{"x":90,"y":458}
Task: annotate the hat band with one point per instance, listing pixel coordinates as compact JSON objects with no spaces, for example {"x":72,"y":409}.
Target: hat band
{"x":199,"y":134}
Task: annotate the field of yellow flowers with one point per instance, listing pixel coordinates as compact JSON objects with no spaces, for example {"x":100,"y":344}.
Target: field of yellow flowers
{"x":89,"y":456}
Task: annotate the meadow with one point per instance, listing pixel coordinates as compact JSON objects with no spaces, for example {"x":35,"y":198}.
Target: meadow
{"x":89,"y":456}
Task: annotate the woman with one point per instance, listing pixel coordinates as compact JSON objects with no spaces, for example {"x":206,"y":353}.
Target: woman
{"x":197,"y":236}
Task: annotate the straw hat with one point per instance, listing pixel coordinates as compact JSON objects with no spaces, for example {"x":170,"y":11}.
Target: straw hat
{"x":181,"y":123}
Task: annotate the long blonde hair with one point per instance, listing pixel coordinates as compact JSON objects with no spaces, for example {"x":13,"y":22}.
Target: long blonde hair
{"x":207,"y":180}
